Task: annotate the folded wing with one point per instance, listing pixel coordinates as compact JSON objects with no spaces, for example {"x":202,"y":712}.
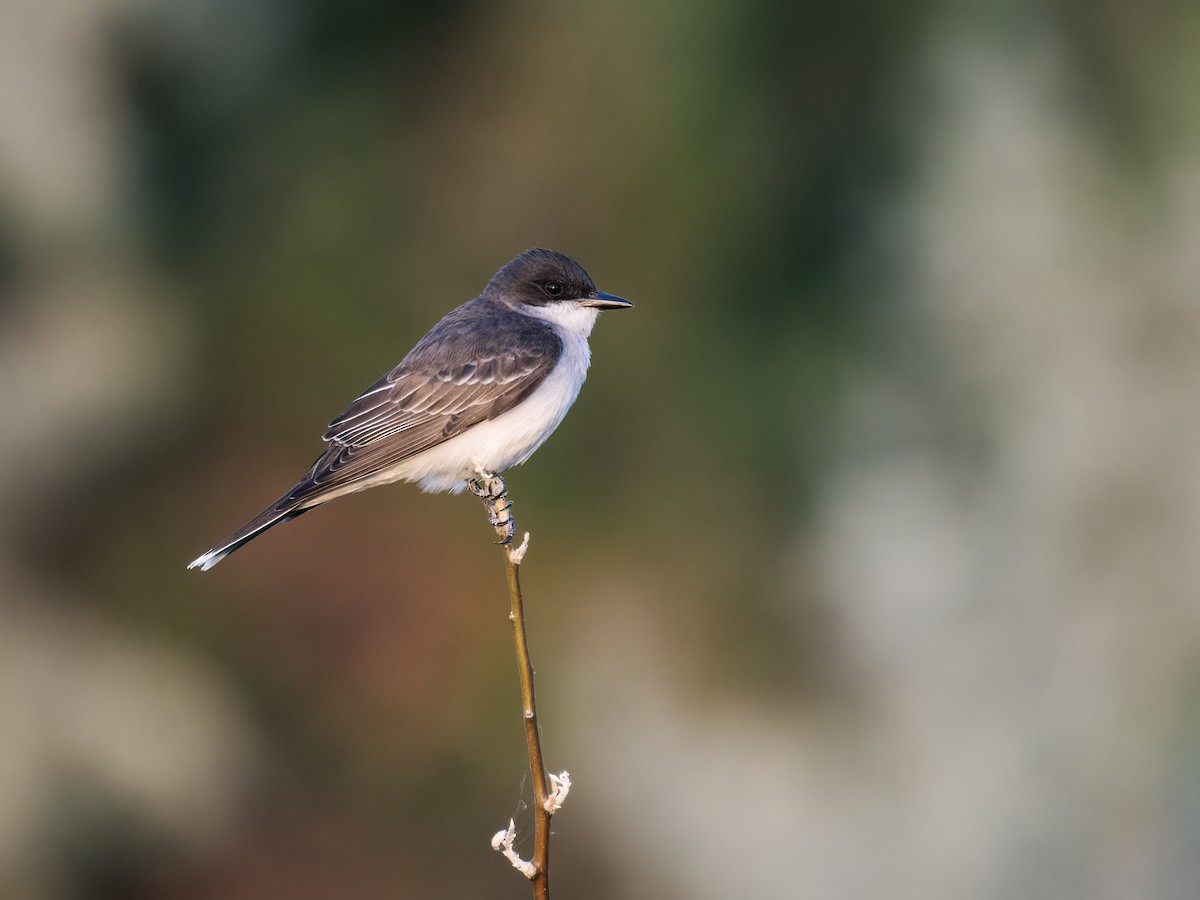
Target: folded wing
{"x":410,"y":410}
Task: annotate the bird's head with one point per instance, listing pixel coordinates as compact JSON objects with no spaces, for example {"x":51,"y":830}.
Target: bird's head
{"x":545,"y":278}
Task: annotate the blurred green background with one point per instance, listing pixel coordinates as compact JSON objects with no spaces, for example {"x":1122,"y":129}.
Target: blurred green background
{"x":866,"y":565}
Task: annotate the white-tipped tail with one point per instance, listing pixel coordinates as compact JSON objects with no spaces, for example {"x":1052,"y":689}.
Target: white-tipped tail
{"x":208,"y":560}
{"x":272,"y":515}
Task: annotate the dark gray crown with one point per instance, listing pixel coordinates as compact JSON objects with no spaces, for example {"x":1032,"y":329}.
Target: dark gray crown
{"x":532,"y":277}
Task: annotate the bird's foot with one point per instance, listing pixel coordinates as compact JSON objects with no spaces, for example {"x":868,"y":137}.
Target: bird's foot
{"x":501,"y":518}
{"x":487,"y":485}
{"x":491,"y":489}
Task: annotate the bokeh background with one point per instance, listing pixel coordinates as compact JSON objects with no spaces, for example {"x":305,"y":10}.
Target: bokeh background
{"x":868,"y":563}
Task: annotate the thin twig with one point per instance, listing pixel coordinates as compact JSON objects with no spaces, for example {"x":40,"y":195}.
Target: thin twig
{"x":548,"y":797}
{"x":541,"y":793}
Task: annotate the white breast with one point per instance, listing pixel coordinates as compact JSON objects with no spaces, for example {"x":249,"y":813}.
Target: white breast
{"x":510,"y":439}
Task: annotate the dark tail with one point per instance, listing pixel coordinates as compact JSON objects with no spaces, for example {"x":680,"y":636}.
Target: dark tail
{"x":280,"y":511}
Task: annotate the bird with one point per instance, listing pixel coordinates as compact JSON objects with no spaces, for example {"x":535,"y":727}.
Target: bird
{"x":479,"y":393}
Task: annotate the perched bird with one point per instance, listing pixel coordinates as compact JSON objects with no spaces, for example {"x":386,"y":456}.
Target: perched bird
{"x":479,"y":393}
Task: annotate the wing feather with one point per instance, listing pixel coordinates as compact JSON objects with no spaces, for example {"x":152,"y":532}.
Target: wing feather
{"x":415,"y":398}
{"x":443,"y":387}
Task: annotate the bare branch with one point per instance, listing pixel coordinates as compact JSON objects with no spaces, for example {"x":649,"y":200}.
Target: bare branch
{"x":547,"y":797}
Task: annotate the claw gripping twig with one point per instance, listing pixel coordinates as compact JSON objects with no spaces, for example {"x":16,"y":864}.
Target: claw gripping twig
{"x":492,"y":490}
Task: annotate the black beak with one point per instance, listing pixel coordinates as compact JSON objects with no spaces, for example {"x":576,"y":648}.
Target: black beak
{"x":601,"y":300}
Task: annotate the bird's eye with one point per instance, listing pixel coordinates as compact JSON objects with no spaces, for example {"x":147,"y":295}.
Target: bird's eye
{"x":553,"y":288}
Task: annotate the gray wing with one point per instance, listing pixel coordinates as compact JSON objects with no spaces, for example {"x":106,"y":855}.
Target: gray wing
{"x":459,"y":375}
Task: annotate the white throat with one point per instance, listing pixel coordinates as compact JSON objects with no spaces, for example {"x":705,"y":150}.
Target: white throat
{"x":571,"y":320}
